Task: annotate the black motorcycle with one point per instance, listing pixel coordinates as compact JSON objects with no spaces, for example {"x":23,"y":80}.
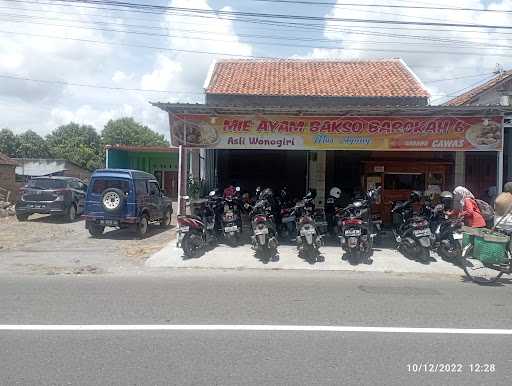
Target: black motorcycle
{"x":356,"y":228}
{"x":264,"y":237}
{"x":309,"y":239}
{"x":446,"y":232}
{"x":232,"y":219}
{"x":412,"y":232}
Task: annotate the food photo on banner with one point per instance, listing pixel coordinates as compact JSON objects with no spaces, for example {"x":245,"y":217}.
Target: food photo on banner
{"x":448,"y":133}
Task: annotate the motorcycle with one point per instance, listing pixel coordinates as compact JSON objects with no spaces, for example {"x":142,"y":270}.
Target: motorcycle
{"x":309,"y":240}
{"x":446,"y":232}
{"x":198,"y":230}
{"x":357,"y":228}
{"x":412,"y":232}
{"x":264,"y":238}
{"x":231,"y":218}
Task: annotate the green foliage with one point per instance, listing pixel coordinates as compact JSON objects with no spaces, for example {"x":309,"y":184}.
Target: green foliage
{"x":195,"y":187}
{"x":125,"y":131}
{"x":8,"y":142}
{"x":76,"y":143}
{"x":31,"y":145}
{"x":80,"y":144}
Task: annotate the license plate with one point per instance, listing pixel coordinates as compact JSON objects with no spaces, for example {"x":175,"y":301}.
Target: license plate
{"x":288,"y":219}
{"x":422,"y":232}
{"x":231,"y":229}
{"x":307,"y":231}
{"x":184,"y":229}
{"x":263,"y":231}
{"x":37,"y":206}
{"x":321,"y":223}
{"x":109,"y":222}
{"x":353,"y":232}
{"x":457,"y":236}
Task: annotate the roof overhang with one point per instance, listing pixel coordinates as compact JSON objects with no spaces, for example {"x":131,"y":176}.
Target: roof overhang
{"x":186,"y":108}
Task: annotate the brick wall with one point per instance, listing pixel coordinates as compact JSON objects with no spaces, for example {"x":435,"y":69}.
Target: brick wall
{"x":7,"y":180}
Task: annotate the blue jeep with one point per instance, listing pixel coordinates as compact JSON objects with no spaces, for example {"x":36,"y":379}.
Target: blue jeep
{"x":123,"y":198}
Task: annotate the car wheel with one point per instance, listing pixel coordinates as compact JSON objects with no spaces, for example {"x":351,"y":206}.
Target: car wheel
{"x":142,"y":226}
{"x":95,"y":230}
{"x":166,"y":219}
{"x":70,"y":213}
{"x":22,"y":217}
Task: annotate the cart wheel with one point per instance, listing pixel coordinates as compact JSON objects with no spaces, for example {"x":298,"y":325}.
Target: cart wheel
{"x":477,"y":271}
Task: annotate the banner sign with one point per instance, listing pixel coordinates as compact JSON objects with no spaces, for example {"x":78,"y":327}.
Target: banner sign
{"x":339,"y":133}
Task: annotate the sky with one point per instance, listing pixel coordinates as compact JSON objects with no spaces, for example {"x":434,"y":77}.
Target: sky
{"x":94,"y":44}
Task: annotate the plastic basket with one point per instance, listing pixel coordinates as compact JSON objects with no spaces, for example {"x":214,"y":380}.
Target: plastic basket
{"x":467,"y":239}
{"x":491,"y":248}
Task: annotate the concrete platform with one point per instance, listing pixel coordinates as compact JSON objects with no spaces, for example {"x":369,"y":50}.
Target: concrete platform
{"x":243,"y":257}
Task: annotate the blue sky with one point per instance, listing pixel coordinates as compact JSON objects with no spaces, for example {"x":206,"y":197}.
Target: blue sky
{"x":446,"y":59}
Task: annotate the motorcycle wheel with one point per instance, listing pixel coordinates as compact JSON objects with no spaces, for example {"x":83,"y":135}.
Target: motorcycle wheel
{"x":191,"y":244}
{"x":232,"y":241}
{"x":450,"y":251}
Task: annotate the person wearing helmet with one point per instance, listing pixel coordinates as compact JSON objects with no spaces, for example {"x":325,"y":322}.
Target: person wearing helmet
{"x":446,"y":199}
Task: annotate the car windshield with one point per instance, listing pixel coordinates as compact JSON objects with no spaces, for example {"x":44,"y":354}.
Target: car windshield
{"x":101,"y":184}
{"x":46,"y":183}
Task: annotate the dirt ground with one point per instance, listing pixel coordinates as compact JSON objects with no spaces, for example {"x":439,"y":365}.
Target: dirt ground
{"x":48,"y":245}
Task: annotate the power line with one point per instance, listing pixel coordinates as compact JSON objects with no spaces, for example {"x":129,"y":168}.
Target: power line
{"x":194,"y":11}
{"x":300,"y":26}
{"x":337,"y":4}
{"x":65,"y":83}
{"x":246,"y":56}
{"x":438,"y":43}
{"x":115,"y":88}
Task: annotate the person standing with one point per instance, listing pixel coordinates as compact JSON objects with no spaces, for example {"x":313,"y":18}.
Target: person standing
{"x":502,"y":208}
{"x":464,"y":204}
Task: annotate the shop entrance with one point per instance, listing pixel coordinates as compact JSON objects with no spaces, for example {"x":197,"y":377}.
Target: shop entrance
{"x":266,"y":168}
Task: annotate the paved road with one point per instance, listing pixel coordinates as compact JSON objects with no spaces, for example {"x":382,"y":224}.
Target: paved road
{"x":249,"y":357}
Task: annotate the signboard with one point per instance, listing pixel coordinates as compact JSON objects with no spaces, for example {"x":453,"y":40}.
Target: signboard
{"x":444,"y":133}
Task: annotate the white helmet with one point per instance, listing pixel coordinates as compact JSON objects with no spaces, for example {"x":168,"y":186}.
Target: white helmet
{"x":335,"y":192}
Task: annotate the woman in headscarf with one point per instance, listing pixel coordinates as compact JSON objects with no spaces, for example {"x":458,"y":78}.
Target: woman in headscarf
{"x":464,"y":204}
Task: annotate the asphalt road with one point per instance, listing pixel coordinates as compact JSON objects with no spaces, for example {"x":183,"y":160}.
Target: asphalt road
{"x":252,"y":357}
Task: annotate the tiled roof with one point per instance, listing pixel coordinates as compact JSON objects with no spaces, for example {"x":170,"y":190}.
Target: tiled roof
{"x":466,"y":97}
{"x":4,"y":160}
{"x":329,"y":78}
{"x":144,"y":149}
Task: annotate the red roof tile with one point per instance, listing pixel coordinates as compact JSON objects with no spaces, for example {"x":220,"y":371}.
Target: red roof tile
{"x":466,"y":97}
{"x":4,"y":160}
{"x":330,"y":78}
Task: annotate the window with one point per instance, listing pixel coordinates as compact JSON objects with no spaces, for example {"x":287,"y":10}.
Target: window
{"x":153,"y":188}
{"x":141,"y":187}
{"x":403,"y":181}
{"x":101,"y":184}
{"x":46,"y":183}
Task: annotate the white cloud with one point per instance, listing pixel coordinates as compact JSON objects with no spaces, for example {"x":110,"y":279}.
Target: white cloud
{"x":43,"y":106}
{"x":358,"y":41}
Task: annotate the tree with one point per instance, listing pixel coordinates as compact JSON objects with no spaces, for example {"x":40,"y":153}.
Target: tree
{"x":125,"y":131}
{"x":8,"y":142}
{"x":31,"y":145}
{"x":80,"y":144}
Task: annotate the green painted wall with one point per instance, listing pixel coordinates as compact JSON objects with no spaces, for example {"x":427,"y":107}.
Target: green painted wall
{"x":148,"y":162}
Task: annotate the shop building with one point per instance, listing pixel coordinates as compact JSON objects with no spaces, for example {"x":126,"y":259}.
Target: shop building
{"x":317,"y":124}
{"x":477,"y":166}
